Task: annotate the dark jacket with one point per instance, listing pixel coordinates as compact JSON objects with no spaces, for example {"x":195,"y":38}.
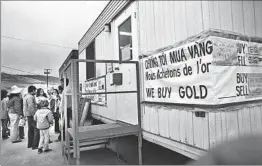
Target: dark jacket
{"x":15,"y":106}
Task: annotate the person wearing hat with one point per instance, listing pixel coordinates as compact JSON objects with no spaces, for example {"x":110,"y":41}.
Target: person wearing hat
{"x":4,"y":113}
{"x":15,"y":113}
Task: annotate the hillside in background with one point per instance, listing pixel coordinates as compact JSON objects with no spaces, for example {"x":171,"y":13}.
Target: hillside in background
{"x":8,"y":80}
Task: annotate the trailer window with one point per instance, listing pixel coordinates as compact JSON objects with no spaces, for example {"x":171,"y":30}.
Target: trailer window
{"x":125,"y":40}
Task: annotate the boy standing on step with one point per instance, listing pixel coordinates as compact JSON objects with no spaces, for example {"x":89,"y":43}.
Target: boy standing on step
{"x":44,"y":118}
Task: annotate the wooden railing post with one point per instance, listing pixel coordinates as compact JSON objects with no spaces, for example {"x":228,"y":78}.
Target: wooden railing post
{"x":75,"y":101}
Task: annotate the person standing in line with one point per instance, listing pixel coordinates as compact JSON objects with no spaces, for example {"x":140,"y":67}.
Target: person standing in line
{"x":41,"y":95}
{"x":21,"y":126}
{"x":67,"y":90}
{"x":44,"y":118}
{"x":4,"y":113}
{"x":60,"y":90}
{"x":15,"y":113}
{"x":49,"y":93}
{"x":54,"y":105}
{"x":29,"y":109}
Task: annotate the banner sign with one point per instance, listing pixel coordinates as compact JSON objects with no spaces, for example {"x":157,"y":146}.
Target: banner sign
{"x":96,"y":85}
{"x":209,"y":70}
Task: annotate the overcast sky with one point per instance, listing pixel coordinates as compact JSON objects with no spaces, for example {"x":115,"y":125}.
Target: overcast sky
{"x":55,"y":22}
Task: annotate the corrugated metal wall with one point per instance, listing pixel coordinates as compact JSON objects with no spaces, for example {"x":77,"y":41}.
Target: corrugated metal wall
{"x":162,"y":23}
{"x":165,"y":22}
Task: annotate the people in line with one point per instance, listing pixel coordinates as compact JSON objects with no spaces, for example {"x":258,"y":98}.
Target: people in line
{"x":22,"y":122}
{"x":54,"y":106}
{"x":40,"y":95}
{"x":4,"y":113}
{"x":33,"y":107}
{"x":60,"y":90}
{"x":44,"y":118}
{"x":29,"y":109}
{"x":49,"y":93}
{"x":61,"y":107}
{"x":14,"y":107}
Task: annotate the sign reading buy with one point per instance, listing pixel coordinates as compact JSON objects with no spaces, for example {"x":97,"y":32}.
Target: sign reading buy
{"x":210,"y":70}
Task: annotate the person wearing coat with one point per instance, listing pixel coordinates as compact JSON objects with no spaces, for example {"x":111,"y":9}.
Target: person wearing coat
{"x":15,"y":113}
{"x":29,"y":109}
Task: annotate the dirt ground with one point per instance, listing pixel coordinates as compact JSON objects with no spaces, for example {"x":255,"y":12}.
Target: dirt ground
{"x":19,"y":154}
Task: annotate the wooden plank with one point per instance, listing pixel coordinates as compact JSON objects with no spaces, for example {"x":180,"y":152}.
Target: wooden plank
{"x":146,"y":118}
{"x":205,"y":129}
{"x":154,"y":127}
{"x":249,"y":19}
{"x":212,"y":129}
{"x":218,"y":123}
{"x":240,"y":124}
{"x":194,"y":17}
{"x":160,"y":21}
{"x":174,"y":124}
{"x":223,"y":126}
{"x":165,"y":21}
{"x":75,"y":101}
{"x":142,"y":26}
{"x":232,"y":125}
{"x":256,"y":124}
{"x":156,"y":24}
{"x":163,"y":122}
{"x":214,"y":14}
{"x":183,"y":126}
{"x":198,"y":132}
{"x":258,"y":18}
{"x":109,"y":133}
{"x":246,"y":121}
{"x":151,"y":26}
{"x":225,"y":13}
{"x":171,"y":23}
{"x":237,"y":13}
{"x":190,"y":129}
{"x":205,"y":15}
{"x":180,"y":20}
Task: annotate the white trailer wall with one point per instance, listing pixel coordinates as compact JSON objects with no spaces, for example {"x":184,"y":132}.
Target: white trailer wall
{"x":165,"y":22}
{"x":120,"y":107}
{"x":104,"y":50}
{"x":162,"y":23}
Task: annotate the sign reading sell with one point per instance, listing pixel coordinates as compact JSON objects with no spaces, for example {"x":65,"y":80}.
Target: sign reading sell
{"x":210,"y":70}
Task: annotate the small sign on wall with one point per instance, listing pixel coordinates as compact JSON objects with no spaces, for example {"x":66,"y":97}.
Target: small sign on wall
{"x":126,"y":53}
{"x":109,"y":67}
{"x":96,"y":85}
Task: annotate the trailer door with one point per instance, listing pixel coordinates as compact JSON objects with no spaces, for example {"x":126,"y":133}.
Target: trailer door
{"x":126,"y":48}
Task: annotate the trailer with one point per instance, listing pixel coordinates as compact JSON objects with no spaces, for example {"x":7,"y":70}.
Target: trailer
{"x":200,"y":70}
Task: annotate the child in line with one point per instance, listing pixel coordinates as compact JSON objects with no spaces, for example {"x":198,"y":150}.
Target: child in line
{"x":44,"y":118}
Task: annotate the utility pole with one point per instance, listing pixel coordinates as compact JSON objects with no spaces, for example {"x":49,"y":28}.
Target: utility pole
{"x":47,"y":71}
